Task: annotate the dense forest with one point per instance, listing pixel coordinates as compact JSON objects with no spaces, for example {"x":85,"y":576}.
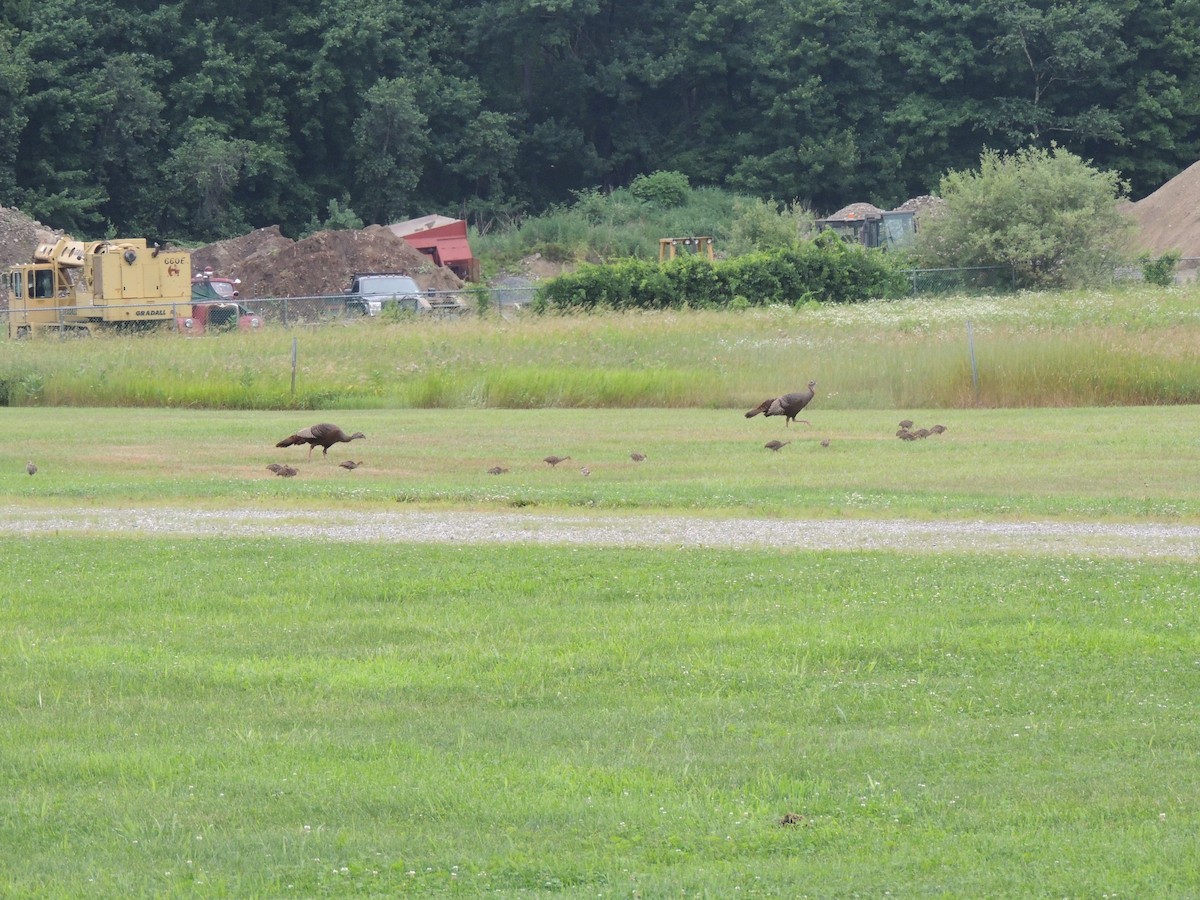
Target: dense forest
{"x":199,"y":119}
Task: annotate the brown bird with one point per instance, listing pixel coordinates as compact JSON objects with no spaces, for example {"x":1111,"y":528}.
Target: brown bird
{"x":638,"y":457}
{"x":555,"y":460}
{"x":791,"y":819}
{"x":776,"y":446}
{"x":286,"y":471}
{"x":30,"y":467}
{"x":902,"y":432}
{"x":938,"y":429}
{"x":323,"y":435}
{"x":585,"y":471}
{"x":350,"y":464}
{"x":907,"y":436}
{"x":824,"y":442}
{"x":922,"y":432}
{"x":906,"y":424}
{"x":788,"y":405}
{"x":275,"y":467}
{"x":497,"y":470}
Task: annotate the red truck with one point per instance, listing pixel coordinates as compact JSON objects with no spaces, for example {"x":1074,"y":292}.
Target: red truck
{"x":215,"y":306}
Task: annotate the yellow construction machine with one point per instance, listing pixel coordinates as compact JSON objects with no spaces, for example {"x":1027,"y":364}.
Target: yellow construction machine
{"x":73,"y":286}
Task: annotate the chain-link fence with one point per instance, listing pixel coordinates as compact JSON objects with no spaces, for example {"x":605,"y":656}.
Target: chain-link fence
{"x":973,"y":280}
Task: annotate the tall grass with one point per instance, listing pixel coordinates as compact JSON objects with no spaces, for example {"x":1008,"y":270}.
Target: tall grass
{"x":1120,"y":347}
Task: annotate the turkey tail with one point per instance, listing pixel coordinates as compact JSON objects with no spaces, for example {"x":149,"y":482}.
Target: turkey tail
{"x":761,"y":408}
{"x":289,"y":441}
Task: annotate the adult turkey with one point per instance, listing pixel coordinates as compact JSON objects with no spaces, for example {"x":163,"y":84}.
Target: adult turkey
{"x":788,"y":405}
{"x":323,"y":435}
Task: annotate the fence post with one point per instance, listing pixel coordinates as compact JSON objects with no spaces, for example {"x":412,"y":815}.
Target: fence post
{"x":974,"y":367}
{"x":295,"y":342}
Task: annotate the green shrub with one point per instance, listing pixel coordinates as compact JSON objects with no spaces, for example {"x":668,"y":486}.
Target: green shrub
{"x":826,"y":269}
{"x":665,"y":189}
{"x":1160,"y":271}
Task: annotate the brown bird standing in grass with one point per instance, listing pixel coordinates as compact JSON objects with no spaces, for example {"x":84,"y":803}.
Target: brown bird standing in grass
{"x":30,"y":467}
{"x":497,"y":470}
{"x":776,"y":446}
{"x":323,"y":435}
{"x":350,"y":464}
{"x":788,"y":405}
{"x":275,"y":467}
{"x":638,"y":457}
{"x":555,"y":460}
{"x":282,"y":470}
{"x":906,"y":424}
{"x":585,"y":471}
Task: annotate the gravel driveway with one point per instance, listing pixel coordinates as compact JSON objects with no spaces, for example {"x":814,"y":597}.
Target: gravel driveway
{"x":457,"y":527}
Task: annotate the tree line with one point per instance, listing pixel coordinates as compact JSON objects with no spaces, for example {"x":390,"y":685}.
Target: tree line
{"x":201,"y":119}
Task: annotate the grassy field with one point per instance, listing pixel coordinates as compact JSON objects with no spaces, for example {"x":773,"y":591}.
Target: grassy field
{"x":298,"y":718}
{"x":1124,"y":347}
{"x":1138,"y":463}
{"x":280,"y":718}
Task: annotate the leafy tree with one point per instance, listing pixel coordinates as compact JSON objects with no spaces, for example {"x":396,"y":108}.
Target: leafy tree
{"x":1047,"y":213}
{"x":768,"y":225}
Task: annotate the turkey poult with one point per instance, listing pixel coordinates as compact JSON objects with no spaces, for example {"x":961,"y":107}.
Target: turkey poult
{"x":323,"y":435}
{"x":638,"y":457}
{"x":555,"y":460}
{"x":788,"y":405}
{"x":30,"y":467}
{"x":497,"y":470}
{"x":350,"y":464}
{"x":776,"y":446}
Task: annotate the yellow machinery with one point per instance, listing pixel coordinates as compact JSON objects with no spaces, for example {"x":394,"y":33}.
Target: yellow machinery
{"x":669,"y":248}
{"x":74,"y":285}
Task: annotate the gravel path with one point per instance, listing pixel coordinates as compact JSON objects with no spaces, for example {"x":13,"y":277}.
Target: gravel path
{"x":456,"y":527}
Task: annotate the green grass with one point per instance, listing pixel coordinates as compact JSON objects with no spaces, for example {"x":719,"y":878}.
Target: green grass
{"x":1103,"y":348}
{"x":278,"y":718}
{"x":1136,"y":463}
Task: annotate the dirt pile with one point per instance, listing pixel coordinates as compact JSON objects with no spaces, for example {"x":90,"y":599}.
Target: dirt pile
{"x":271,"y":265}
{"x":19,"y":235}
{"x":1169,"y":219}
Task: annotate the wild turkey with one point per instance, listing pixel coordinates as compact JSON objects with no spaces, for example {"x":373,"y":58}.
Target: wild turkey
{"x":922,"y":432}
{"x":350,"y":464}
{"x":938,"y":429}
{"x":902,"y":432}
{"x":283,"y":471}
{"x":275,"y":467}
{"x":906,"y":424}
{"x":323,"y":435}
{"x":30,"y":467}
{"x":776,"y":446}
{"x":497,"y":470}
{"x":555,"y":460}
{"x":824,"y":442}
{"x":585,"y":471}
{"x":788,"y":405}
{"x":638,"y":457}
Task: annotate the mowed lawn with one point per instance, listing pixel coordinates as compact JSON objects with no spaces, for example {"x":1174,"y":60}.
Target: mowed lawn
{"x":292,"y":718}
{"x":284,"y":717}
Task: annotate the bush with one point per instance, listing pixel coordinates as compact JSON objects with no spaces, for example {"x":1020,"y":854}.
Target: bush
{"x":1046,"y":213}
{"x":1160,"y":271}
{"x":665,"y":189}
{"x":826,"y":269}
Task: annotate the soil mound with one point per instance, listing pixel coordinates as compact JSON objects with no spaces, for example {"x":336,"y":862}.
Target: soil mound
{"x":1169,"y":219}
{"x":271,"y":265}
{"x":19,"y":236}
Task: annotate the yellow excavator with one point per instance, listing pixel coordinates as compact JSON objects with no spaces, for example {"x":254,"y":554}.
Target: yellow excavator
{"x":73,"y":286}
